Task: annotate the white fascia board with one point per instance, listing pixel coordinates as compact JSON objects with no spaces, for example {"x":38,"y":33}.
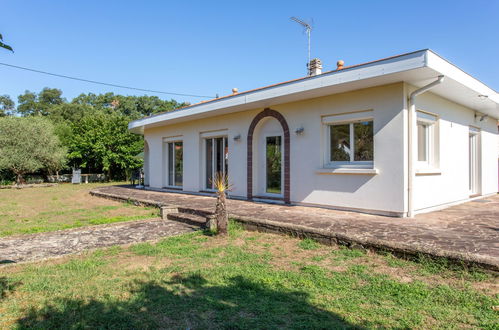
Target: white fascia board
{"x":490,"y":105}
{"x":243,"y":101}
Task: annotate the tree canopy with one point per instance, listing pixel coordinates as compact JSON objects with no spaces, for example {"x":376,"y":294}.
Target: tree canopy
{"x":7,"y":106}
{"x":28,"y":145}
{"x":93,"y":128}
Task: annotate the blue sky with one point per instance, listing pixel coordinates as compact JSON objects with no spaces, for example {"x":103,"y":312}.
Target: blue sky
{"x":209,"y":47}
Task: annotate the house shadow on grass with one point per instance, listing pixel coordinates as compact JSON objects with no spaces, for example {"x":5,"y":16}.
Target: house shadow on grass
{"x":188,"y":303}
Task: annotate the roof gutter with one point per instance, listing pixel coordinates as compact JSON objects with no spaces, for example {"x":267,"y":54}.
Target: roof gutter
{"x":411,"y":150}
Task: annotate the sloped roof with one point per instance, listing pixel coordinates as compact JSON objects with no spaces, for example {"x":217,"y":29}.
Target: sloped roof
{"x":416,"y":68}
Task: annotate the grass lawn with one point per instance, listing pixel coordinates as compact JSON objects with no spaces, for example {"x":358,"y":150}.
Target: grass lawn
{"x":244,"y":281}
{"x":33,"y":210}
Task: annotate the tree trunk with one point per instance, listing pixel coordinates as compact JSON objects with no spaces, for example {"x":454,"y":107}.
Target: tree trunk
{"x":221,"y":215}
{"x":19,"y":179}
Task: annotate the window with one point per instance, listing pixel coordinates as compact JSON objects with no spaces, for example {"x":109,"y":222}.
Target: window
{"x":426,"y":139}
{"x":175,"y":163}
{"x":351,"y":143}
{"x":216,"y":156}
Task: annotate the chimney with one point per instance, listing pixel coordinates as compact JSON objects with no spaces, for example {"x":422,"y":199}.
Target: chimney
{"x":314,"y":67}
{"x":340,"y":64}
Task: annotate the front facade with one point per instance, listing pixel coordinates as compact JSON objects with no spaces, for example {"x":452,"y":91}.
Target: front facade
{"x":349,"y":139}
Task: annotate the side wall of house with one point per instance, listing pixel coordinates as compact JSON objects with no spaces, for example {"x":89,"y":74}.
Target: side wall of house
{"x":450,"y":182}
{"x":381,"y":192}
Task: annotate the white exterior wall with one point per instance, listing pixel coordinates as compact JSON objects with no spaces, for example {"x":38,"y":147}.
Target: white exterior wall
{"x":451,"y":186}
{"x":383,"y":192}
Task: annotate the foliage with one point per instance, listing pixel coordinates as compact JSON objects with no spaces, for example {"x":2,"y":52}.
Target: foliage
{"x":101,"y":141}
{"x":3,"y":45}
{"x":92,"y":127}
{"x":7,"y":106}
{"x":28,"y":145}
{"x":132,"y":107}
{"x":41,"y":104}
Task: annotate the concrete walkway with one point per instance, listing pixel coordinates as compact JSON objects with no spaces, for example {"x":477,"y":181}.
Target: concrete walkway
{"x":468,"y":232}
{"x":23,"y":248}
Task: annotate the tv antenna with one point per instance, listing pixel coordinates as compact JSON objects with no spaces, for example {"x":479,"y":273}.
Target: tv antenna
{"x":308,"y":29}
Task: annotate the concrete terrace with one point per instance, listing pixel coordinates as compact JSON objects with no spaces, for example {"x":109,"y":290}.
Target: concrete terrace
{"x":468,"y":232}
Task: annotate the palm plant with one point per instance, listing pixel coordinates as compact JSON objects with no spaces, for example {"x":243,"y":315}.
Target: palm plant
{"x":221,"y":217}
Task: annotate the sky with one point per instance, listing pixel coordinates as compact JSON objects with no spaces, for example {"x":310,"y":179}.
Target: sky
{"x":209,"y":47}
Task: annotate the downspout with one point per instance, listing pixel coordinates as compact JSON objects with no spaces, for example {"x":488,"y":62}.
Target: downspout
{"x":412,"y":116}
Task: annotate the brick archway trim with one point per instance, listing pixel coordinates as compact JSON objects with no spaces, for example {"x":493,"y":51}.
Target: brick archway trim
{"x":267,"y":112}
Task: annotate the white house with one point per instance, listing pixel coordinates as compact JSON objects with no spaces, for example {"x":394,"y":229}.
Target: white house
{"x":398,"y":136}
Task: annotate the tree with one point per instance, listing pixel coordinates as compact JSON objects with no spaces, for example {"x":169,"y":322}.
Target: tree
{"x":28,"y":145}
{"x":5,"y":46}
{"x":101,"y":141}
{"x":6,"y":105}
{"x":41,"y":104}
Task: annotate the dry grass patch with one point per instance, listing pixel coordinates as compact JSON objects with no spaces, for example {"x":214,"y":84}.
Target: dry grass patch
{"x":64,"y":206}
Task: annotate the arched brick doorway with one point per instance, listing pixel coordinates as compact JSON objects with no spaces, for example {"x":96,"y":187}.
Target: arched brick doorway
{"x":269,"y":113}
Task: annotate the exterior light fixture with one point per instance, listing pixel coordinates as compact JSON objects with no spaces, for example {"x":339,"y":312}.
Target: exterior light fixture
{"x":300,"y":130}
{"x":237,"y":138}
{"x":481,"y":116}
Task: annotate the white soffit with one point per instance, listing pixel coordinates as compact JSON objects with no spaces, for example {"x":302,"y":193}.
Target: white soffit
{"x":417,"y":68}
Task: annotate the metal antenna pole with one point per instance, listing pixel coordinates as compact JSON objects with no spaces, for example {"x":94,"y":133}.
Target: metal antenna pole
{"x":308,"y":32}
{"x":308,"y":29}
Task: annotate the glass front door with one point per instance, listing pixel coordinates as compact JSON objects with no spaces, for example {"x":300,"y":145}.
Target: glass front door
{"x":273,"y":165}
{"x":217,"y":156}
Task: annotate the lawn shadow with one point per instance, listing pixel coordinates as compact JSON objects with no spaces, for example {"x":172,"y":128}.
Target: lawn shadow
{"x":189,"y":302}
{"x":7,"y":286}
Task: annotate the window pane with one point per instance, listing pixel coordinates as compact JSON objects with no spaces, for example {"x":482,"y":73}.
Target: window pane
{"x":226,"y":156}
{"x":274,"y":160}
{"x":422,"y":143}
{"x":170,"y":164}
{"x":364,"y":141}
{"x":179,"y":163}
{"x":209,"y":163}
{"x":340,"y":143}
{"x":219,"y":154}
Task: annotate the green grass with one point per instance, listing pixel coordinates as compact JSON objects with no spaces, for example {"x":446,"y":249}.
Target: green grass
{"x":246,"y":280}
{"x":35,"y":210}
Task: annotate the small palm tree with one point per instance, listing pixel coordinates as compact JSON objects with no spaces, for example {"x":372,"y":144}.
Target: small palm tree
{"x":221,"y":184}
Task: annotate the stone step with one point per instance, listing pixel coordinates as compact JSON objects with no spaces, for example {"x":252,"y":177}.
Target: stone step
{"x":199,"y":212}
{"x":189,"y":218}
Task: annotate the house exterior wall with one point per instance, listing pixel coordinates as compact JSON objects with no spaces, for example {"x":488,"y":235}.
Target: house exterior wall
{"x":382,"y":192}
{"x":451,"y":185}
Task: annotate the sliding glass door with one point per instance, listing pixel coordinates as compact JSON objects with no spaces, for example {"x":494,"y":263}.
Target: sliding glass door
{"x":175,"y":163}
{"x":216,"y":159}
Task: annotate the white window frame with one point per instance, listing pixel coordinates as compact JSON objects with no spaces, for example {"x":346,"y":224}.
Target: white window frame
{"x":342,"y":119}
{"x":430,"y":122}
{"x":166,"y":161}
{"x":205,"y":138}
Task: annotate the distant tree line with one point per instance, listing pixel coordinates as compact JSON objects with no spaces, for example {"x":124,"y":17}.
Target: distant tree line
{"x":89,"y":132}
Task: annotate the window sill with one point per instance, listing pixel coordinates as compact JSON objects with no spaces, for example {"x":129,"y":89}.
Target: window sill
{"x":428,"y":171}
{"x":354,"y":171}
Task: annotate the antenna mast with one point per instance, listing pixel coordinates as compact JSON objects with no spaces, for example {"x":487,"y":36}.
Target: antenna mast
{"x":308,"y":29}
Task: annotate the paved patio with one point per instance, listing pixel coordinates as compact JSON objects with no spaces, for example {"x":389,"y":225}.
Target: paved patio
{"x":468,"y":232}
{"x":24,"y":248}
